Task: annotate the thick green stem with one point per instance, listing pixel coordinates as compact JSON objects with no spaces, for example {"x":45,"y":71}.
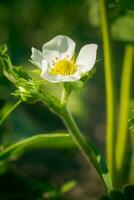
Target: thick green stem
{"x":9,"y":112}
{"x":87,"y":149}
{"x":123,"y":136}
{"x":110,"y":88}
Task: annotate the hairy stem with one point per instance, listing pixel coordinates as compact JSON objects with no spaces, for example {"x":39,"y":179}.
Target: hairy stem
{"x":90,"y":152}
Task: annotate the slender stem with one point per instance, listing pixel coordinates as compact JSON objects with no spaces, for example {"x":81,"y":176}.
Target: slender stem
{"x":9,"y":112}
{"x":56,"y":140}
{"x":131,"y":174}
{"x":123,"y":136}
{"x":90,"y":152}
{"x":110,"y":87}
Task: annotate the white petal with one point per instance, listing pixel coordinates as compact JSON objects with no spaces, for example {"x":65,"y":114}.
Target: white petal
{"x":87,"y":57}
{"x":44,"y":66}
{"x":36,"y":57}
{"x":60,"y":47}
{"x":60,"y":78}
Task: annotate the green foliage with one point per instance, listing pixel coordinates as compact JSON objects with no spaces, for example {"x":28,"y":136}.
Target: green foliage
{"x":57,"y":140}
{"x":129,"y":4}
{"x":78,"y":85}
{"x":67,"y":187}
{"x":131,"y":117}
{"x":12,"y":73}
{"x":21,"y":187}
{"x":31,"y":91}
{"x":3,"y":167}
{"x":126,"y":194}
{"x":88,"y":75}
{"x":121,"y":17}
{"x":28,"y":89}
{"x":3,"y":50}
{"x":123,"y":27}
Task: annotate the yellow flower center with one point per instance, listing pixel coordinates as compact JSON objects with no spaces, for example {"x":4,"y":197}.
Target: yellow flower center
{"x":64,"y":67}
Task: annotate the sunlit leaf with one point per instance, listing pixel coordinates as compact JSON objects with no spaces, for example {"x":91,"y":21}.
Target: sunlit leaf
{"x":66,"y":187}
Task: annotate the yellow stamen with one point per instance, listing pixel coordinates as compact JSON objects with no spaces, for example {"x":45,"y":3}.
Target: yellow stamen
{"x":64,"y":67}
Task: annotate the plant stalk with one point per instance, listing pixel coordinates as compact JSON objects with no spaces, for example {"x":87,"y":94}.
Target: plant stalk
{"x":10,"y":111}
{"x":89,"y":151}
{"x":110,"y":88}
{"x":123,"y":136}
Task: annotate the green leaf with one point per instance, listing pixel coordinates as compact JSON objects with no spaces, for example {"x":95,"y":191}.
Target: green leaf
{"x":57,"y":140}
{"x":78,"y":85}
{"x":88,"y":75}
{"x":66,"y":187}
{"x":73,"y":86}
{"x":127,"y":193}
{"x":122,"y":4}
{"x":3,"y":49}
{"x":29,"y":89}
{"x":12,"y":73}
{"x":116,"y":195}
{"x":102,"y":166}
{"x":120,"y":18}
{"x":3,"y":167}
{"x":123,"y":27}
{"x":125,"y":4}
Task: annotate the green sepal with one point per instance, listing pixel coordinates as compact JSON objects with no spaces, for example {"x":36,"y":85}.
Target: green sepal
{"x":78,"y":85}
{"x":73,"y":86}
{"x":88,"y":75}
{"x":28,"y":89}
{"x":3,"y":49}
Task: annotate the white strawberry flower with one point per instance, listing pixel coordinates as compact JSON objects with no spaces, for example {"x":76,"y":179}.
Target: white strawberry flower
{"x":57,"y":61}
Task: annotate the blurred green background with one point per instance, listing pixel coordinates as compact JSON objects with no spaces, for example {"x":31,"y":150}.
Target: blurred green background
{"x":28,"y":23}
